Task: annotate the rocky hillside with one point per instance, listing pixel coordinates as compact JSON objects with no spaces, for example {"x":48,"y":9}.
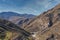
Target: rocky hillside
{"x":46,"y":26}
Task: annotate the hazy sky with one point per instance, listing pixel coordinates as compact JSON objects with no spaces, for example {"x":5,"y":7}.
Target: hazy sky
{"x":27,"y":6}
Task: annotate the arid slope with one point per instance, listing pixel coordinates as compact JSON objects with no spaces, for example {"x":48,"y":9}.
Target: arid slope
{"x":46,"y":25}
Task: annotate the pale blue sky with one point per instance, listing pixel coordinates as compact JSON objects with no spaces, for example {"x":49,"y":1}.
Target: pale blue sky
{"x":27,"y":6}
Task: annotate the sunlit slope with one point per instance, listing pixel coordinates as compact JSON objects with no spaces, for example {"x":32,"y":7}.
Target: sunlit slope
{"x":46,"y":26}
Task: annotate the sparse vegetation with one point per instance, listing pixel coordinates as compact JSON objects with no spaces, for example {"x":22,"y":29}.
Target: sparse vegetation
{"x":6,"y":36}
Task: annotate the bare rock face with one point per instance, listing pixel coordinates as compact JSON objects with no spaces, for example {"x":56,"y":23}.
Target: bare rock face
{"x":46,"y":26}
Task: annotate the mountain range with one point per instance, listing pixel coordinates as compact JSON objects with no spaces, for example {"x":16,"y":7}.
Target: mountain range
{"x":46,"y":26}
{"x":7,"y":15}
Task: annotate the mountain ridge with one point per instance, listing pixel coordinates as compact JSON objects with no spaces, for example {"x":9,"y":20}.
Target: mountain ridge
{"x":7,"y":15}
